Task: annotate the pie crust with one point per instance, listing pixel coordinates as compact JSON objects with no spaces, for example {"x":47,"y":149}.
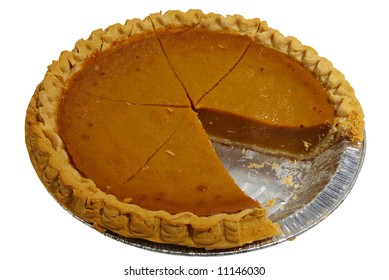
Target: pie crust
{"x":82,"y":197}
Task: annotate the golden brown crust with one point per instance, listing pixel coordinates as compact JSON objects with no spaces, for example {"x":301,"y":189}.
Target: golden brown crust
{"x":84,"y":199}
{"x":215,"y":22}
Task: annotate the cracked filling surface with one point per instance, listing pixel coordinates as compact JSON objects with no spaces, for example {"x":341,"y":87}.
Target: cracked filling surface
{"x":137,"y":118}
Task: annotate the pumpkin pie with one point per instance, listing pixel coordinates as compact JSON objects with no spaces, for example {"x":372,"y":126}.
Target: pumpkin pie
{"x":119,"y":129}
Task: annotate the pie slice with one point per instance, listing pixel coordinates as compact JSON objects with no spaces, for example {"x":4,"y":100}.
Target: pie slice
{"x":214,"y":56}
{"x":269,"y":102}
{"x":117,"y":130}
{"x":201,"y":58}
{"x":183,"y":182}
{"x":136,"y":72}
{"x":109,"y":141}
{"x":187,"y":177}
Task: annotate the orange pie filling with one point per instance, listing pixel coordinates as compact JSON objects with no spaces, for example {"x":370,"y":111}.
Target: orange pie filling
{"x":269,"y":102}
{"x":298,"y":142}
{"x":179,"y":181}
{"x":130,"y":119}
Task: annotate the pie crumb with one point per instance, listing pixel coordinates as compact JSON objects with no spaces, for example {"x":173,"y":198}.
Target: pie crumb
{"x":170,"y":153}
{"x":306,"y":145}
{"x":288,"y":181}
{"x":270,"y":202}
{"x":170,"y":110}
{"x":127,"y":200}
{"x":255,"y":165}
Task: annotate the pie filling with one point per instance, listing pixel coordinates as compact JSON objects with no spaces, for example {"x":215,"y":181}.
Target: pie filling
{"x":296,"y":142}
{"x":185,"y":175}
{"x":201,"y":58}
{"x":130,"y":119}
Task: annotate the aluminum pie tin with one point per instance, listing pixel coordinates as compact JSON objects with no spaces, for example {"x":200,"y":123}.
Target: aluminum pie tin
{"x":297,"y":194}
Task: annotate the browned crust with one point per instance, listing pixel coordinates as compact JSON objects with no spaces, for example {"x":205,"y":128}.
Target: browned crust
{"x":105,"y":212}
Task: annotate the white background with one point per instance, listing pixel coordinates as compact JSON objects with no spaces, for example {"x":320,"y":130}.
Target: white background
{"x":40,"y":239}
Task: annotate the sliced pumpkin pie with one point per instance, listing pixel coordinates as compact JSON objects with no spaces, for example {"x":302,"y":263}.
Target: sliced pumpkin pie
{"x":119,"y":129}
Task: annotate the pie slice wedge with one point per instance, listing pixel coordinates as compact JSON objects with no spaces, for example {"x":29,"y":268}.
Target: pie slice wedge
{"x":136,"y":72}
{"x":202,"y":56}
{"x":269,"y":102}
{"x":109,"y":141}
{"x":195,"y":183}
{"x":187,"y":177}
